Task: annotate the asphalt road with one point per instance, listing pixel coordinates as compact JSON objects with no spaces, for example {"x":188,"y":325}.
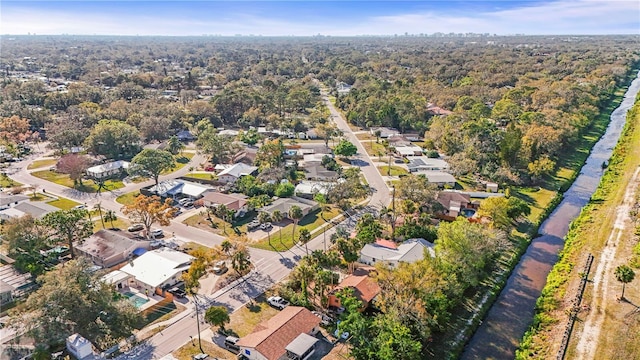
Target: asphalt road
{"x":269,"y":267}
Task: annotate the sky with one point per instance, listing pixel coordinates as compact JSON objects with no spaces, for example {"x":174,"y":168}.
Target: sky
{"x":332,"y":18}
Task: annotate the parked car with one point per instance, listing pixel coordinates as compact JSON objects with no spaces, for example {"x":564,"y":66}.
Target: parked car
{"x":266,"y":226}
{"x":220,"y":267}
{"x":135,"y":227}
{"x":230,"y":342}
{"x":176,"y":291}
{"x":254,"y":224}
{"x":188,"y":205}
{"x":277,"y":302}
{"x":184,"y":201}
{"x":200,"y":356}
{"x":79,"y":207}
{"x":156,"y":233}
{"x":324,"y":319}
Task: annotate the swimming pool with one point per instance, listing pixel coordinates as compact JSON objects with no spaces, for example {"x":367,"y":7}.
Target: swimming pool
{"x":468,"y":212}
{"x":137,"y":300}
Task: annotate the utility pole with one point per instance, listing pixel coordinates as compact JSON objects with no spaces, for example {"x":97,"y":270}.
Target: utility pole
{"x":195,"y":301}
{"x":393,"y":214}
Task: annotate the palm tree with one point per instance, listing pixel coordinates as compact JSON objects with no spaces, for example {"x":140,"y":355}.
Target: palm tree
{"x":625,"y":275}
{"x":277,"y":217}
{"x":226,"y":247}
{"x":324,"y":206}
{"x":295,"y":214}
{"x":263,"y":218}
{"x":110,"y":216}
{"x":304,"y":238}
{"x":222,"y":212}
{"x":241,"y":261}
{"x":174,"y":145}
{"x":99,"y":207}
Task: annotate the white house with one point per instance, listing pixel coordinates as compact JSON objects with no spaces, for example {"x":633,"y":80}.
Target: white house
{"x":308,"y":189}
{"x":107,"y":170}
{"x":235,"y":172}
{"x":409,"y":150}
{"x":423,"y":163}
{"x":439,"y":178}
{"x":157,"y":269}
{"x":179,"y":188}
{"x":79,"y":347}
{"x":392,"y":254}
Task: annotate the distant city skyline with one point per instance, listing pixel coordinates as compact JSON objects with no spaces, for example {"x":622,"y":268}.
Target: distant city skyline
{"x":332,"y":18}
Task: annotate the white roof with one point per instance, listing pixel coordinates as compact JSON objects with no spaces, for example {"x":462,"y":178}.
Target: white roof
{"x":408,"y":149}
{"x":120,"y":164}
{"x":409,"y":251}
{"x":222,"y":166}
{"x":115,"y":276}
{"x":312,"y":187}
{"x":174,"y":187}
{"x":238,"y":170}
{"x":309,"y":158}
{"x":426,"y":163}
{"x":228,"y":132}
{"x":437,"y":177}
{"x":194,"y":189}
{"x":157,"y":266}
{"x":11,"y":213}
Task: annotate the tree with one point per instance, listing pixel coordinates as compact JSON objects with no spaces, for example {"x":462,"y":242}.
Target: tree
{"x":69,"y":226}
{"x":625,"y":275}
{"x":304,"y":238}
{"x":155,"y":128}
{"x":74,"y":299}
{"x":277,"y":217}
{"x":270,"y":154}
{"x":113,"y":139}
{"x":220,"y":148}
{"x":377,"y":134}
{"x":75,"y":165}
{"x":174,"y":145}
{"x":148,"y":210}
{"x":241,"y":260}
{"x":541,"y":167}
{"x":217,"y":316}
{"x":345,"y":148}
{"x":15,"y":129}
{"x":65,"y":133}
{"x":295,"y":214}
{"x":496,"y":209}
{"x":250,"y":137}
{"x":98,"y":207}
{"x":110,"y":216}
{"x":226,"y":246}
{"x":24,"y":238}
{"x":417,"y":189}
{"x":150,"y":163}
{"x":285,"y":189}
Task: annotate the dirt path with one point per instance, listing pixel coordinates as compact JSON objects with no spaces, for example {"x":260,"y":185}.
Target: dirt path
{"x":602,"y":296}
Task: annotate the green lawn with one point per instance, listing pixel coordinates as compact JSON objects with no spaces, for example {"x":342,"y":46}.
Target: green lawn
{"x":62,"y":203}
{"x":395,"y":171}
{"x":365,"y":136}
{"x":117,"y":224}
{"x":127,"y":198}
{"x":42,"y":163}
{"x":203,"y":176}
{"x":309,"y":222}
{"x":180,"y":162}
{"x":7,"y":182}
{"x":373,"y":148}
{"x":88,"y":186}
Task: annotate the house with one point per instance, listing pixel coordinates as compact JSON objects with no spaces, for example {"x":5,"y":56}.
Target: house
{"x":439,"y":178}
{"x":228,"y":132}
{"x":6,"y":293}
{"x":185,"y":135}
{"x":455,"y":202}
{"x":393,"y":254}
{"x":308,"y":189}
{"x":157,"y":269}
{"x":364,"y":288}
{"x":409,"y":150}
{"x":179,"y":188}
{"x":79,"y":347}
{"x":36,"y":209}
{"x":284,"y":204}
{"x":279,"y":337}
{"x":107,"y":170}
{"x":235,"y":172}
{"x":119,"y":279}
{"x":313,"y":158}
{"x":231,"y":201}
{"x":437,"y":111}
{"x":423,"y":163}
{"x":385,"y":132}
{"x":246,"y":156}
{"x":7,"y":201}
{"x":107,"y":248}
{"x":319,"y":172}
{"x":343,"y":88}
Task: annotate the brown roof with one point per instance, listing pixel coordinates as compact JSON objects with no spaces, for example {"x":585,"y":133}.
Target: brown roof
{"x":231,"y":202}
{"x":446,"y":197}
{"x":271,"y":338}
{"x":365,"y":288}
{"x":386,"y":243}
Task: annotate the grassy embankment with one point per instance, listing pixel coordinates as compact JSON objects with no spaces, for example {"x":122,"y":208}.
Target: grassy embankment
{"x":588,"y":234}
{"x":542,"y":199}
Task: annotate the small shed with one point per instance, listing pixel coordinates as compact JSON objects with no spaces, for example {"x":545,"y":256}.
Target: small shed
{"x":79,"y":347}
{"x":492,"y":187}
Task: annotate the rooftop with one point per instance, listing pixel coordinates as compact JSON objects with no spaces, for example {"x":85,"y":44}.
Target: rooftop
{"x":238,"y":170}
{"x":409,"y":251}
{"x":157,"y":266}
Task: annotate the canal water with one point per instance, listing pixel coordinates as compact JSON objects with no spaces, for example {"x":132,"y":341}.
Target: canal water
{"x":513,"y":310}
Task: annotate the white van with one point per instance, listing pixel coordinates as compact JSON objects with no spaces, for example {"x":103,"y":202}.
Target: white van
{"x":230,"y":342}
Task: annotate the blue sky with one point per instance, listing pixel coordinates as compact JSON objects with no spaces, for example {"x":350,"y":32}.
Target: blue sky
{"x":336,"y":18}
